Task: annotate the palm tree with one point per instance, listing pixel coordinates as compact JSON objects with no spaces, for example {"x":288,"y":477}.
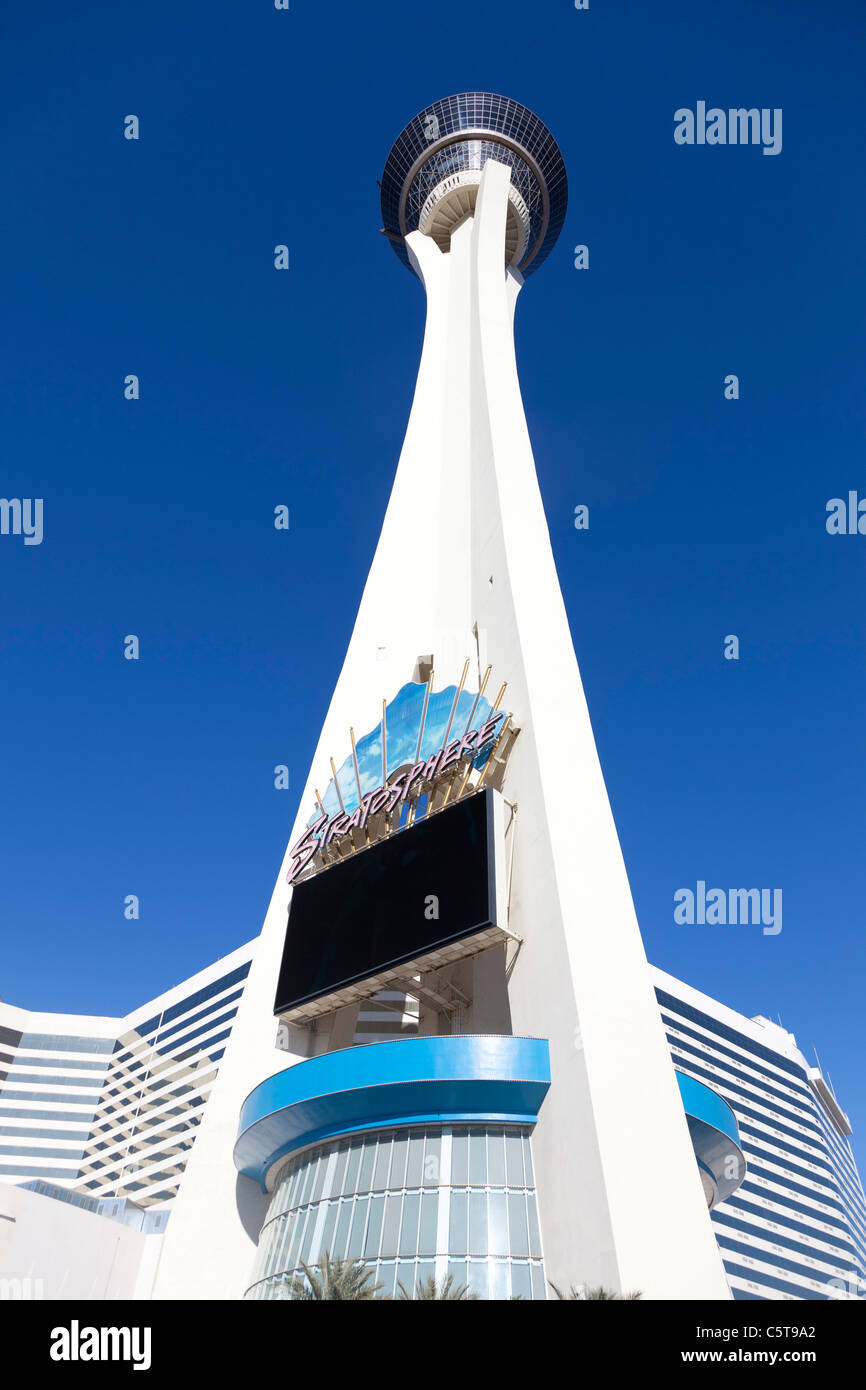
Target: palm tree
{"x":331,"y":1280}
{"x":428,"y":1289}
{"x":599,"y":1294}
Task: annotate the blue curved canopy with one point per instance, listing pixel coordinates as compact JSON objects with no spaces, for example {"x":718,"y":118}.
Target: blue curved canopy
{"x":472,"y":1079}
{"x":715,"y":1136}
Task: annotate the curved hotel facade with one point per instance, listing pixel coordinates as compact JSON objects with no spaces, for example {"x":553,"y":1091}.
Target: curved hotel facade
{"x":446,"y":1053}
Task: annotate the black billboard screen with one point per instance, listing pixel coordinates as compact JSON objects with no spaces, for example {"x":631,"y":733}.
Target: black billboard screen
{"x":426,"y":886}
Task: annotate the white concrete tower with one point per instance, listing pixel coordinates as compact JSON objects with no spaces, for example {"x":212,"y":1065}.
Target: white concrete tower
{"x":474,"y":196}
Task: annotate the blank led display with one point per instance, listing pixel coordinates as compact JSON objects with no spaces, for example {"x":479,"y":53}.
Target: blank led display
{"x":426,"y":886}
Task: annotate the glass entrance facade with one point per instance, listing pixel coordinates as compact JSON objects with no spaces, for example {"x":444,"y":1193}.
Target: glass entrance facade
{"x":413,"y":1203}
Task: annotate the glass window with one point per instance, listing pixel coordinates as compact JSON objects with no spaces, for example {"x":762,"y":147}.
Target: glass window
{"x":527,"y":1159}
{"x":11,"y":1111}
{"x":460,"y":1158}
{"x":391,"y":1224}
{"x":477,"y":1278}
{"x":339,"y":1172}
{"x":409,"y":1228}
{"x":415,"y":1164}
{"x":478,"y":1223}
{"x":521,"y":1281}
{"x":307,"y":1181}
{"x":294,"y":1183}
{"x":398,"y":1163}
{"x":383,"y":1159}
{"x":374,"y":1226}
{"x":517,"y":1223}
{"x":534,"y":1233}
{"x":306,"y":1246}
{"x":319,"y":1180}
{"x":365,"y":1176}
{"x":432,"y":1160}
{"x":56,"y":1042}
{"x":429,"y":1223}
{"x":498,"y":1279}
{"x":330,"y":1226}
{"x":35,"y":1151}
{"x":282,"y":1243}
{"x":496,"y":1159}
{"x":386,"y":1275}
{"x":342,"y":1233}
{"x":264,"y":1255}
{"x":350,"y":1182}
{"x":497,"y":1240}
{"x":356,"y":1236}
{"x":514,"y":1160}
{"x":539,"y":1289}
{"x":477,"y":1159}
{"x":297,"y":1233}
{"x":458,"y":1241}
{"x":46,"y":1079}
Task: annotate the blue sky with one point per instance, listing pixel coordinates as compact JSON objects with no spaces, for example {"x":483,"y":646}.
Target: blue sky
{"x":707,"y":516}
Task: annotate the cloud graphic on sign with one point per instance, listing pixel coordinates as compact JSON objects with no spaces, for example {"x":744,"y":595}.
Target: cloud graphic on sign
{"x":403,"y":720}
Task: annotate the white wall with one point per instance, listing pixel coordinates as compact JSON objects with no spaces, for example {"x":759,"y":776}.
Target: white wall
{"x":50,"y":1249}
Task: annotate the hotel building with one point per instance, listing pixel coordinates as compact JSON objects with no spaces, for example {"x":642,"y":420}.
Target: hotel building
{"x":795,"y":1228}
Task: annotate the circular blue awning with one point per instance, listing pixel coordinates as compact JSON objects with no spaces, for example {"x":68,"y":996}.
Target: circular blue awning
{"x":473,"y":1078}
{"x":715,"y":1137}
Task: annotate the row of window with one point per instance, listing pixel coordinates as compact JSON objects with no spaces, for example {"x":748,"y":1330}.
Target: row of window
{"x":789,"y":1224}
{"x":837,"y":1262}
{"x":744,"y":1044}
{"x":57,"y":1042}
{"x":724,"y":1085}
{"x":802,"y":1156}
{"x":28,"y":1170}
{"x":11,"y":1112}
{"x":478,"y":1222}
{"x":781,"y":1262}
{"x":793,"y":1093}
{"x":759,"y":1281}
{"x":405,"y":1194}
{"x":761,"y":1185}
{"x":73,"y":1064}
{"x":35,"y":1078}
{"x":23,"y":1132}
{"x":393,"y":1159}
{"x":184,"y":1005}
{"x":88,"y":1102}
{"x":804,"y":1127}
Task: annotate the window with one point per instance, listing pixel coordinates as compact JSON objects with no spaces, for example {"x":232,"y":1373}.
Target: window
{"x":413,"y":1204}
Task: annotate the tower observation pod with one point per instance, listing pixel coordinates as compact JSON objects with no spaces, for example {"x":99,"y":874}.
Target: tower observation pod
{"x":448,"y":1058}
{"x":433,"y":174}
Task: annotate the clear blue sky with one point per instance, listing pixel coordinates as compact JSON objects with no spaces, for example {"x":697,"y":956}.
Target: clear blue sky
{"x":258,"y":387}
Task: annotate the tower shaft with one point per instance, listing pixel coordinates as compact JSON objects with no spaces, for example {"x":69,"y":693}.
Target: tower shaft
{"x":464,"y":570}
